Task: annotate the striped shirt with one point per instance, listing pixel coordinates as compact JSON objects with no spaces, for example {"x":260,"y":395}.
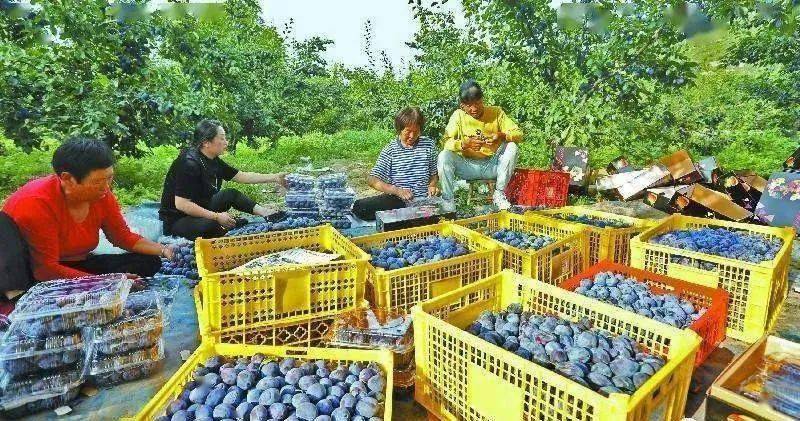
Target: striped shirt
{"x":409,"y":168}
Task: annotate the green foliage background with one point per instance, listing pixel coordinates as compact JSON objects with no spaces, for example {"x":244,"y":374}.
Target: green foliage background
{"x":715,"y":77}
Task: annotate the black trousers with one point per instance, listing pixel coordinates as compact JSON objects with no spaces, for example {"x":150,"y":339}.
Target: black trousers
{"x":98,"y":264}
{"x":192,"y":227}
{"x":365,"y":208}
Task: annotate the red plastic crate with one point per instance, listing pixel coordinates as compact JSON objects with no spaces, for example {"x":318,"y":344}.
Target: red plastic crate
{"x":710,"y":326}
{"x":529,"y":187}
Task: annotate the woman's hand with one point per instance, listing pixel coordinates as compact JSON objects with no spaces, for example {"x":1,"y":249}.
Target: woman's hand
{"x":225,"y":220}
{"x":168,"y":252}
{"x":433,"y":190}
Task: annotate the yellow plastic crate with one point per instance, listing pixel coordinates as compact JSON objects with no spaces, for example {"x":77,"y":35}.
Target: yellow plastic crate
{"x":174,"y":386}
{"x":260,"y":297}
{"x":552,"y":264}
{"x":225,"y":253}
{"x":460,"y":376}
{"x":604,"y":243}
{"x":400,"y":289}
{"x":756,"y":291}
{"x":298,"y":331}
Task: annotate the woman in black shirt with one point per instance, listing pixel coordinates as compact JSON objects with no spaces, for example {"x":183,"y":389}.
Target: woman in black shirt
{"x":193,"y":203}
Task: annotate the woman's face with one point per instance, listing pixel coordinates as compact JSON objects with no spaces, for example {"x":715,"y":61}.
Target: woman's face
{"x":410,"y":135}
{"x":474,"y":108}
{"x":92,"y":188}
{"x":218,"y":145}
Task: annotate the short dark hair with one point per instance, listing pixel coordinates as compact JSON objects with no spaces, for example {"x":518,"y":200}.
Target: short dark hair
{"x":205,"y":131}
{"x":470,"y":91}
{"x":80,"y":155}
{"x":408,"y":116}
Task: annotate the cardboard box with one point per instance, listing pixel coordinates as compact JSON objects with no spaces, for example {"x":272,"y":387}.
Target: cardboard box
{"x":779,"y":204}
{"x":745,"y":188}
{"x":575,"y":161}
{"x":724,"y":393}
{"x":681,"y":167}
{"x":656,"y":176}
{"x":661,"y":198}
{"x":615,"y":181}
{"x":701,"y":201}
{"x":410,"y":217}
{"x":619,"y":165}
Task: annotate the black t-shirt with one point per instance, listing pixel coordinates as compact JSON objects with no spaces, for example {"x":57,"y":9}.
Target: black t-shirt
{"x":195,"y":177}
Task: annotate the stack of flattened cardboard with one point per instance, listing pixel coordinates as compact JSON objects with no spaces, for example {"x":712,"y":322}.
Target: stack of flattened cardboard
{"x":676,"y":184}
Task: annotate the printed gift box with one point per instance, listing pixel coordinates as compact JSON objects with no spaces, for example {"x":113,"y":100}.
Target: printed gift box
{"x":793,"y":161}
{"x":575,"y":161}
{"x":780,"y":203}
{"x":661,"y":198}
{"x":744,"y":187}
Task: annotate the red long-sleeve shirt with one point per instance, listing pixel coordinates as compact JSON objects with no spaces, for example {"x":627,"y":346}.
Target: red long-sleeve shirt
{"x":40,"y":211}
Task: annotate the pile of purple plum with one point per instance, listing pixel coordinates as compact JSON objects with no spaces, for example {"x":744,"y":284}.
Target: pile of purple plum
{"x":259,"y":388}
{"x":522,"y":240}
{"x":285,"y":224}
{"x":404,"y":253}
{"x":632,"y":295}
{"x":183,"y":264}
{"x":594,"y":358}
{"x":738,"y":245}
{"x":594,"y":221}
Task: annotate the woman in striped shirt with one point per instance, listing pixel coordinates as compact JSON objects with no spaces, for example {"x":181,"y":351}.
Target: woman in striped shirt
{"x":405,"y":170}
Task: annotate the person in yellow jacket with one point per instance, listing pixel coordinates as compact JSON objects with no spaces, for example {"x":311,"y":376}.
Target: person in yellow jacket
{"x":480,"y":143}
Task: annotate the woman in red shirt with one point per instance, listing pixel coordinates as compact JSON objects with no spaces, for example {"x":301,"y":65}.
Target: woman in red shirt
{"x":61,"y":215}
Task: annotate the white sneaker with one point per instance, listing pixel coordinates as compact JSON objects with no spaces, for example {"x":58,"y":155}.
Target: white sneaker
{"x":500,"y":200}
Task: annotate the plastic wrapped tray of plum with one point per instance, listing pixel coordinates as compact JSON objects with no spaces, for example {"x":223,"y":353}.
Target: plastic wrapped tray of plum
{"x":301,"y":200}
{"x":31,"y":404}
{"x":332,"y":181}
{"x":299,"y":182}
{"x":167,"y":286}
{"x":338,"y":199}
{"x":129,"y":373}
{"x":32,"y":394}
{"x":22,"y":355}
{"x":106,"y":364}
{"x":67,"y":305}
{"x":141,"y":326}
